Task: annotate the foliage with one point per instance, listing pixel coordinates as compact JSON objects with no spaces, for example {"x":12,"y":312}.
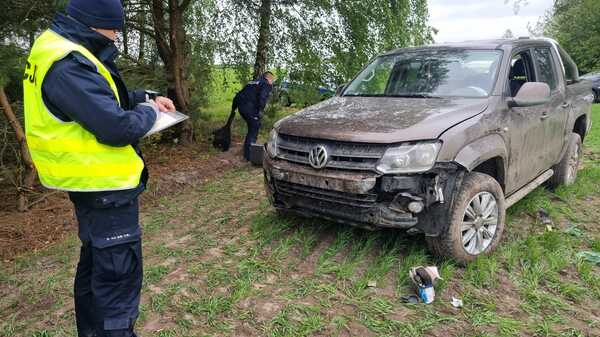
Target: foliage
{"x":312,"y":41}
{"x":21,"y":19}
{"x":322,"y":41}
{"x":175,"y":46}
{"x":576,"y":25}
{"x":201,"y":29}
{"x":11,"y":67}
{"x":11,"y":71}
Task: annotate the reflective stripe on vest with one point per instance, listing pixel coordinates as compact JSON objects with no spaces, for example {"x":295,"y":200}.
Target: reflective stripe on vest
{"x":66,"y":156}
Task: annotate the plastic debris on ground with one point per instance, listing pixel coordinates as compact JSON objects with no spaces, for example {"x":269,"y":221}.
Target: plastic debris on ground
{"x":575,"y":231}
{"x":593,"y":257}
{"x":544,"y":217}
{"x":424,"y":279}
{"x":456,"y":302}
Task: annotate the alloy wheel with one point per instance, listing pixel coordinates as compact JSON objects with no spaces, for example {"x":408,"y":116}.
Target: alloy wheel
{"x":480,"y":222}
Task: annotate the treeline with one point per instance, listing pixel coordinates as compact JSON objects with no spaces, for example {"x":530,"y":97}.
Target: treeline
{"x":575,"y":24}
{"x":173,"y":45}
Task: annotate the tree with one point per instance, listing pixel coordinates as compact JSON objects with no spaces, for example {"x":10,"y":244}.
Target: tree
{"x":321,"y":41}
{"x":264,"y":32}
{"x":575,"y":24}
{"x":12,"y":63}
{"x":371,"y":27}
{"x":171,"y":41}
{"x":20,"y":22}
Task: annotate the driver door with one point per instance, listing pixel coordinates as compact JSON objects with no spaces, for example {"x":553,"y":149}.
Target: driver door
{"x":554,"y":119}
{"x":525,"y":134}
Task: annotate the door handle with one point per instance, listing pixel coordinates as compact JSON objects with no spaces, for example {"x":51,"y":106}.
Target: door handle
{"x":566,"y":105}
{"x":544,"y":116}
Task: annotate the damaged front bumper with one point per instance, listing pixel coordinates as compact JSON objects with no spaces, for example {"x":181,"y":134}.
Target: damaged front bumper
{"x":418,"y":203}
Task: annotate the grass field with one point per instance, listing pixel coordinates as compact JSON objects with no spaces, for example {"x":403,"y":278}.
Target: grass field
{"x":220,"y":262}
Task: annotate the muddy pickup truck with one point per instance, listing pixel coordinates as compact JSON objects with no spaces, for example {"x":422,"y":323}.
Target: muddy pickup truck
{"x":437,"y":140}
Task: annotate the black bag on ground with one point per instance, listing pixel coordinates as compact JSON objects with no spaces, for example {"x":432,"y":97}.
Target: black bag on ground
{"x":222,"y":136}
{"x":257,"y":152}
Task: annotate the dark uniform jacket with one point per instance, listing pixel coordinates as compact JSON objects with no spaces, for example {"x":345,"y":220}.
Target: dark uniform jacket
{"x":72,"y":90}
{"x":252,"y":100}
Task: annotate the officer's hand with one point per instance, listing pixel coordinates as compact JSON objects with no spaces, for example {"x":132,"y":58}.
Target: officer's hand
{"x":164,"y":104}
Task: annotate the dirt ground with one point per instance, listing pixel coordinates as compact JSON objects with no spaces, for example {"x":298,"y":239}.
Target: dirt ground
{"x":51,"y":217}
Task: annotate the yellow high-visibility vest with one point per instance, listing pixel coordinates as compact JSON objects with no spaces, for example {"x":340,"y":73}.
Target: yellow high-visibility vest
{"x":66,"y":156}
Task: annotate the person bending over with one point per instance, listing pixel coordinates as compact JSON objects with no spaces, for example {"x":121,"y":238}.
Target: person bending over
{"x":251,"y":102}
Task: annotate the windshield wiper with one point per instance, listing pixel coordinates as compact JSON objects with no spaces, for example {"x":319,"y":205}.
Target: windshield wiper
{"x":417,"y":95}
{"x":363,"y":95}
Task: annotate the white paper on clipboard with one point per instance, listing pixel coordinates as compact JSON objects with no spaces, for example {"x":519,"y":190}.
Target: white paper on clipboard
{"x":165,"y":120}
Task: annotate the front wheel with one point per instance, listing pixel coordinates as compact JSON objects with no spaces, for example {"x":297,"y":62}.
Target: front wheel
{"x":476,"y":220}
{"x":597,"y":96}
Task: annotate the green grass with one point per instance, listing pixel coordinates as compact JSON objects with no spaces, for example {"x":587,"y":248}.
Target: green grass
{"x":244,"y":270}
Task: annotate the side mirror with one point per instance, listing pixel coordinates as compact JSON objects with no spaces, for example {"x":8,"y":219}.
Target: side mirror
{"x":531,"y":94}
{"x":340,"y":89}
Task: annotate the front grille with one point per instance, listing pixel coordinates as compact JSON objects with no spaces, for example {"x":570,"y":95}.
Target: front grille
{"x":336,"y":197}
{"x":342,"y":155}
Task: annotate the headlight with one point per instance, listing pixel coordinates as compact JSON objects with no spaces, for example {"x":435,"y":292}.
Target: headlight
{"x":409,"y":158}
{"x":272,"y":144}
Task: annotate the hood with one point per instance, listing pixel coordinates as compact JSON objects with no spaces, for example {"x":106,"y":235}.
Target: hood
{"x":380,"y":119}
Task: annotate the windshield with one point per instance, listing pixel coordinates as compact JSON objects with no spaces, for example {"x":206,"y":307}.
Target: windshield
{"x":446,"y":73}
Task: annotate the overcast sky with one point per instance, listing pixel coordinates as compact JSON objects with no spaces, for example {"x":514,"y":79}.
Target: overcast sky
{"x":460,"y":20}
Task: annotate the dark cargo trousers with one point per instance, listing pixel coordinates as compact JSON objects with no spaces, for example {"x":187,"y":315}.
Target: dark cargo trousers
{"x":253,"y":122}
{"x":109,"y":273}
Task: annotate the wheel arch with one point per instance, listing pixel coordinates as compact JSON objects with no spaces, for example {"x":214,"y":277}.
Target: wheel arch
{"x":486,"y":155}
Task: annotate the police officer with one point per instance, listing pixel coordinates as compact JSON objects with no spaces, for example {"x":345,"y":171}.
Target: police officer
{"x":251,"y":102}
{"x":82,"y":127}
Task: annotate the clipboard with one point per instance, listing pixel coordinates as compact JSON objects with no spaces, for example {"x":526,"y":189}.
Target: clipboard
{"x":165,"y":120}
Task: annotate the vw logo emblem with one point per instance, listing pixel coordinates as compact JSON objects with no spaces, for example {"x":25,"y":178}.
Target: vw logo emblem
{"x":318,"y":157}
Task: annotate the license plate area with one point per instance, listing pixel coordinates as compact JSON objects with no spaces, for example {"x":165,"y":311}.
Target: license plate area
{"x":358,"y":185}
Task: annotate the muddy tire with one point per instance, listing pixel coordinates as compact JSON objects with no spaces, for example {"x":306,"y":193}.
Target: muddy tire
{"x":476,"y":220}
{"x":565,"y":172}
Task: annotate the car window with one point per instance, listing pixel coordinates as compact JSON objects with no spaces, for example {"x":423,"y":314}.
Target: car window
{"x":521,"y":72}
{"x":545,"y":64}
{"x":569,"y":67}
{"x":423,"y":74}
